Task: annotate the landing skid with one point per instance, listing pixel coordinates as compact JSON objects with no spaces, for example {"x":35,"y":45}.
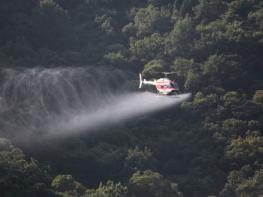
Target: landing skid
{"x":168,"y":95}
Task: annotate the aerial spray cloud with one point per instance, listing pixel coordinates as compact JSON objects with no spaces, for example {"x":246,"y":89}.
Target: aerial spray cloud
{"x":117,"y":109}
{"x":33,"y":99}
{"x":50,"y":102}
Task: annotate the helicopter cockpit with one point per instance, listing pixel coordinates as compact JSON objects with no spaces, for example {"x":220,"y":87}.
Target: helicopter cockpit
{"x":173,"y":84}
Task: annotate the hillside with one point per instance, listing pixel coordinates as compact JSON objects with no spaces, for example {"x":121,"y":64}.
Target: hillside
{"x":211,"y":145}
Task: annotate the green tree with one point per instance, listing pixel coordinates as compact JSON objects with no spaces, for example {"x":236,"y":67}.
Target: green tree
{"x":247,"y":149}
{"x":152,"y":184}
{"x":148,"y":48}
{"x":110,"y":189}
{"x":224,"y":70}
{"x":257,"y":18}
{"x":140,"y":159}
{"x":252,"y":186}
{"x":116,"y":59}
{"x":186,"y":7}
{"x":209,"y":10}
{"x":235,"y":178}
{"x":154,"y":66}
{"x":65,"y":185}
{"x":179,"y":40}
{"x":258,"y":97}
{"x":151,"y":19}
{"x":192,"y":81}
{"x":232,"y":128}
{"x":19,"y":177}
{"x":106,"y":24}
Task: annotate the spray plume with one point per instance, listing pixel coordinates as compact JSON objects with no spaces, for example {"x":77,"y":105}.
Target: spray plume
{"x":117,"y":109}
{"x":64,"y":101}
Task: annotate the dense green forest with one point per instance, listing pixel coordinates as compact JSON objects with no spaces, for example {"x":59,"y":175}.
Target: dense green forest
{"x":209,"y":146}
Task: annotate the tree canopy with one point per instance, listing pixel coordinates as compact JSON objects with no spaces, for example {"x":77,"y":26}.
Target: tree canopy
{"x":210,"y":145}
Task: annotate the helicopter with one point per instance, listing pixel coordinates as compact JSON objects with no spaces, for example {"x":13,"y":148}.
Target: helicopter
{"x":164,"y":86}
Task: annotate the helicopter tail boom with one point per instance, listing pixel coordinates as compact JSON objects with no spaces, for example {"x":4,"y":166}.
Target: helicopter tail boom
{"x":143,"y":81}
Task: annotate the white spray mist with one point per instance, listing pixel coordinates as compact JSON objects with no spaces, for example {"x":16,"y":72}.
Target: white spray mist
{"x":56,"y":102}
{"x":115,"y":110}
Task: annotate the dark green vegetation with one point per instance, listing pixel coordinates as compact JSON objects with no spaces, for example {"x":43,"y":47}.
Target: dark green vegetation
{"x":212,"y":145}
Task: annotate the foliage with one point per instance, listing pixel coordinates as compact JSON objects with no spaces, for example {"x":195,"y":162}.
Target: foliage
{"x":147,"y":48}
{"x":140,"y":159}
{"x":211,"y":145}
{"x":258,"y":97}
{"x":153,"y":67}
{"x":21,"y":177}
{"x":110,"y":189}
{"x":151,"y":19}
{"x":116,"y":58}
{"x":209,"y":10}
{"x":152,"y":184}
{"x":251,"y":186}
{"x":247,"y":149}
{"x":179,"y":41}
{"x":67,"y":186}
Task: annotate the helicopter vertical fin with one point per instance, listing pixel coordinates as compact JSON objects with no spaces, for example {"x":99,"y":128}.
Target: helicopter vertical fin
{"x":140,"y":76}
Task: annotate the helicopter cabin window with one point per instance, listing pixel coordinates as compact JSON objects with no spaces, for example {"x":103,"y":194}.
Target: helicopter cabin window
{"x":170,"y":85}
{"x":174,"y":85}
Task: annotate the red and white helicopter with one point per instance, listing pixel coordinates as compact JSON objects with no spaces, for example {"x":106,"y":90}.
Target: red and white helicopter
{"x":164,"y":86}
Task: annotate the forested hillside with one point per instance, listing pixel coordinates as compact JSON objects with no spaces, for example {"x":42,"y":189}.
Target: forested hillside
{"x":209,"y":146}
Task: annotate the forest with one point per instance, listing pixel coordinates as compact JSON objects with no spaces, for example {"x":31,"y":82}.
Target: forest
{"x":211,"y":145}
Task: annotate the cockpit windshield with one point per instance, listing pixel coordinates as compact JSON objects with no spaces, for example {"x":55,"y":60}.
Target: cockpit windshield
{"x":174,"y":85}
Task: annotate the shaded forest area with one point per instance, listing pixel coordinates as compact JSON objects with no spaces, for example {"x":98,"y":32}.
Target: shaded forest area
{"x":210,"y":146}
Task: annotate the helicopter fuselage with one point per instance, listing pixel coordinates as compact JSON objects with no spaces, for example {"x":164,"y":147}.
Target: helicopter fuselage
{"x":166,"y":86}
